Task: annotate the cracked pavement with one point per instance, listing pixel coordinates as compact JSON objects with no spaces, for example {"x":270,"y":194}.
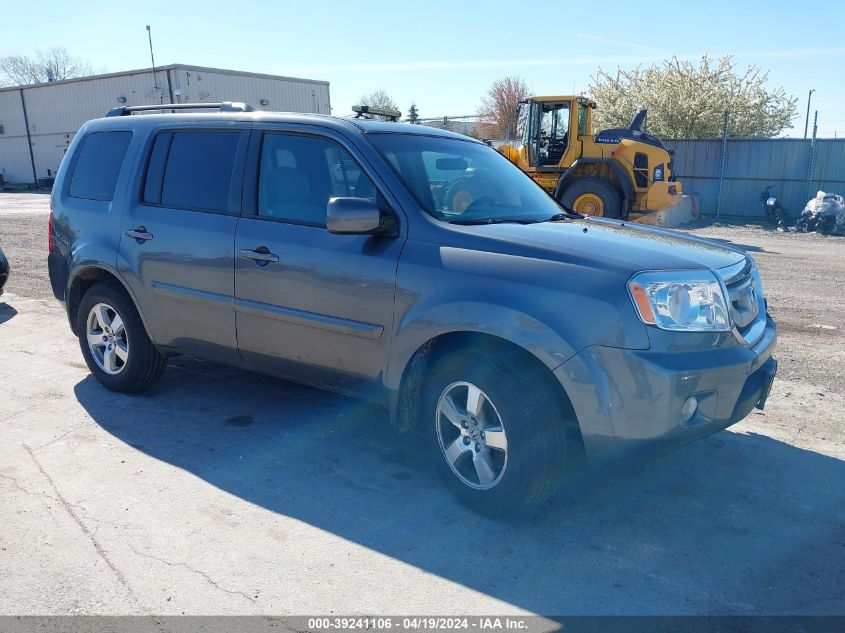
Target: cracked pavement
{"x":226,"y":492}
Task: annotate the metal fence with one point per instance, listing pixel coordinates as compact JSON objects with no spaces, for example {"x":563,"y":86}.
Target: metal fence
{"x":751,"y":165}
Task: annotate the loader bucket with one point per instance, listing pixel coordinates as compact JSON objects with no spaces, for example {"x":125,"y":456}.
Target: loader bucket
{"x":682,"y":212}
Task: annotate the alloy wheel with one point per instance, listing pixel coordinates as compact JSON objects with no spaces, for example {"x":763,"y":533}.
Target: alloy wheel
{"x":107,"y":340}
{"x":471,"y":435}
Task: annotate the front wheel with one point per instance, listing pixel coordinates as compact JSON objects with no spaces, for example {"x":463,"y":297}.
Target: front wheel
{"x":593,"y":196}
{"x":499,"y":435}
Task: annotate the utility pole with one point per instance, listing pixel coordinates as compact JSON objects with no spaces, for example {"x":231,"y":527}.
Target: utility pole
{"x":153,"y":60}
{"x":807,"y":119}
{"x":722,"y":157}
{"x":812,"y":162}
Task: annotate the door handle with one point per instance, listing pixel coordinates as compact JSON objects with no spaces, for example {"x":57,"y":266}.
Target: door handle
{"x":258,"y":256}
{"x":140,"y":234}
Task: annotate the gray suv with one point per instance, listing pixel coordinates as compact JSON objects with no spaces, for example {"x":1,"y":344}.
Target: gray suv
{"x":407,"y":265}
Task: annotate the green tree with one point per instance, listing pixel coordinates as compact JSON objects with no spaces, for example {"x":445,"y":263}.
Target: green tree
{"x":688,"y":100}
{"x":413,"y":114}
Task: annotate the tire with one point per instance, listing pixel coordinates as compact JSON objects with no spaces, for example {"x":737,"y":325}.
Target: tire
{"x":609,"y":195}
{"x":523,"y":407}
{"x":121,"y":358}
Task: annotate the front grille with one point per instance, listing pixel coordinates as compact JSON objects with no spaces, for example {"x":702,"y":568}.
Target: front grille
{"x":748,"y":310}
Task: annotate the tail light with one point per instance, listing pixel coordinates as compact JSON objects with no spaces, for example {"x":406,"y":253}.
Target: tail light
{"x":51,"y":240}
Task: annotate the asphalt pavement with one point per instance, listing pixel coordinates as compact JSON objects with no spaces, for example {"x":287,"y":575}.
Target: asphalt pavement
{"x":226,"y":492}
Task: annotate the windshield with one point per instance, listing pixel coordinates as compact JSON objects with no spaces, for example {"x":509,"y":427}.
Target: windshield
{"x":463,"y":181}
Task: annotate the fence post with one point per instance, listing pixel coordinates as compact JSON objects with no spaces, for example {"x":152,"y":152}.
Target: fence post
{"x":722,"y":164}
{"x":808,"y":193}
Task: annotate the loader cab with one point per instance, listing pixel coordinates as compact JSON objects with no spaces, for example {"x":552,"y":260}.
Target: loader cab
{"x":550,"y":129}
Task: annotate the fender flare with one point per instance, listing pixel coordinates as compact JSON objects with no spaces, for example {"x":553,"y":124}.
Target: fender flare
{"x":81,"y":267}
{"x":473,"y":317}
{"x":616,"y":168}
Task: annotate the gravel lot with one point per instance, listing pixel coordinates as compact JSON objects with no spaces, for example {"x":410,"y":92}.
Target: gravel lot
{"x":226,"y":492}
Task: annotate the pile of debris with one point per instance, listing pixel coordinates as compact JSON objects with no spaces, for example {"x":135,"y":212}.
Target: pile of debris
{"x":824,"y":214}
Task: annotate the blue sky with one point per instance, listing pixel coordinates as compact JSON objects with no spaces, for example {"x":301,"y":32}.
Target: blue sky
{"x":443,"y":55}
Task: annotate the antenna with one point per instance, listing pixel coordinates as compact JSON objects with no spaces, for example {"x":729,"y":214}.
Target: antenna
{"x":153,"y":59}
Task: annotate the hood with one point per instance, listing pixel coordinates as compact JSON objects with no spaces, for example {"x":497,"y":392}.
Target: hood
{"x":612,"y":245}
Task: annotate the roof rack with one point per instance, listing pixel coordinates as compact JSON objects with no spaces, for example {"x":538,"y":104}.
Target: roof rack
{"x":226,"y":106}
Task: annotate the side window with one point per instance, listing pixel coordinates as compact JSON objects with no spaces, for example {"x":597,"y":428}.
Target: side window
{"x":522,"y":128}
{"x":582,"y":120}
{"x":561,"y":126}
{"x":98,"y":165}
{"x":298,"y":175}
{"x":155,"y":168}
{"x":192,"y":169}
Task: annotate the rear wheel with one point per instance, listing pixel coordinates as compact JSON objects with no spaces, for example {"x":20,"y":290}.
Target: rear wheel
{"x":593,"y":196}
{"x":114,"y":342}
{"x":499,"y":434}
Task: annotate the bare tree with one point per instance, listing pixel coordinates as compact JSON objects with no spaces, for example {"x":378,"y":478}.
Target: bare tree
{"x":497,"y":112}
{"x":688,"y":100}
{"x":52,"y":65}
{"x":378,"y":99}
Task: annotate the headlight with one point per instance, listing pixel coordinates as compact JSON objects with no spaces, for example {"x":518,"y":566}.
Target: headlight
{"x":685,"y":300}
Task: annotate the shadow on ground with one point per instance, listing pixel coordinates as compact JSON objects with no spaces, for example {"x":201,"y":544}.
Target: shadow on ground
{"x":7,"y":312}
{"x":732,"y":524}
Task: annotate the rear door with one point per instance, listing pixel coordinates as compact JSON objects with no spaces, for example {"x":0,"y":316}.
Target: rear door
{"x":312,"y":305}
{"x":177,"y":248}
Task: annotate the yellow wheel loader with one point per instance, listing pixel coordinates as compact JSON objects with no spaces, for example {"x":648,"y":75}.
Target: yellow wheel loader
{"x":618,"y":173}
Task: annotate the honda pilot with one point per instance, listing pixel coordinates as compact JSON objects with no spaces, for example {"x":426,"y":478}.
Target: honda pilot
{"x":408,"y":265}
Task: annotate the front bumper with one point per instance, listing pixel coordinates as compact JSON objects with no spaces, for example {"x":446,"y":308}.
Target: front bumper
{"x":625,"y":399}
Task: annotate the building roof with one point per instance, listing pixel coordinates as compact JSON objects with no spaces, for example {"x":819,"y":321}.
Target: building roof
{"x":166,"y":68}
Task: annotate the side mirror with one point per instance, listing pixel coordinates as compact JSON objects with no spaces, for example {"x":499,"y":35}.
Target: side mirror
{"x":355,"y":216}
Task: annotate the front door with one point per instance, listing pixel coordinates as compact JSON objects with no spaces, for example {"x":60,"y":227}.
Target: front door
{"x":531,"y":135}
{"x":176,"y":252}
{"x":552,"y":133}
{"x":309,"y":304}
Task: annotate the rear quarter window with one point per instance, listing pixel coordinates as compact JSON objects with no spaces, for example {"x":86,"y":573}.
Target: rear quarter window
{"x":98,"y":164}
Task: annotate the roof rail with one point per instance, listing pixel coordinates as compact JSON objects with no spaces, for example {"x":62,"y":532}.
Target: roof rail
{"x":226,"y":106}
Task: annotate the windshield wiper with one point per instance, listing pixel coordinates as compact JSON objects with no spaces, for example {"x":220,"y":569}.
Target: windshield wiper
{"x":557,"y":217}
{"x":568,"y":214}
{"x":476,"y":221}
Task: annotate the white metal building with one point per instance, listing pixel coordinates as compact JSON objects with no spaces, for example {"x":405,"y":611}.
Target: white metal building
{"x":37,"y":122}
